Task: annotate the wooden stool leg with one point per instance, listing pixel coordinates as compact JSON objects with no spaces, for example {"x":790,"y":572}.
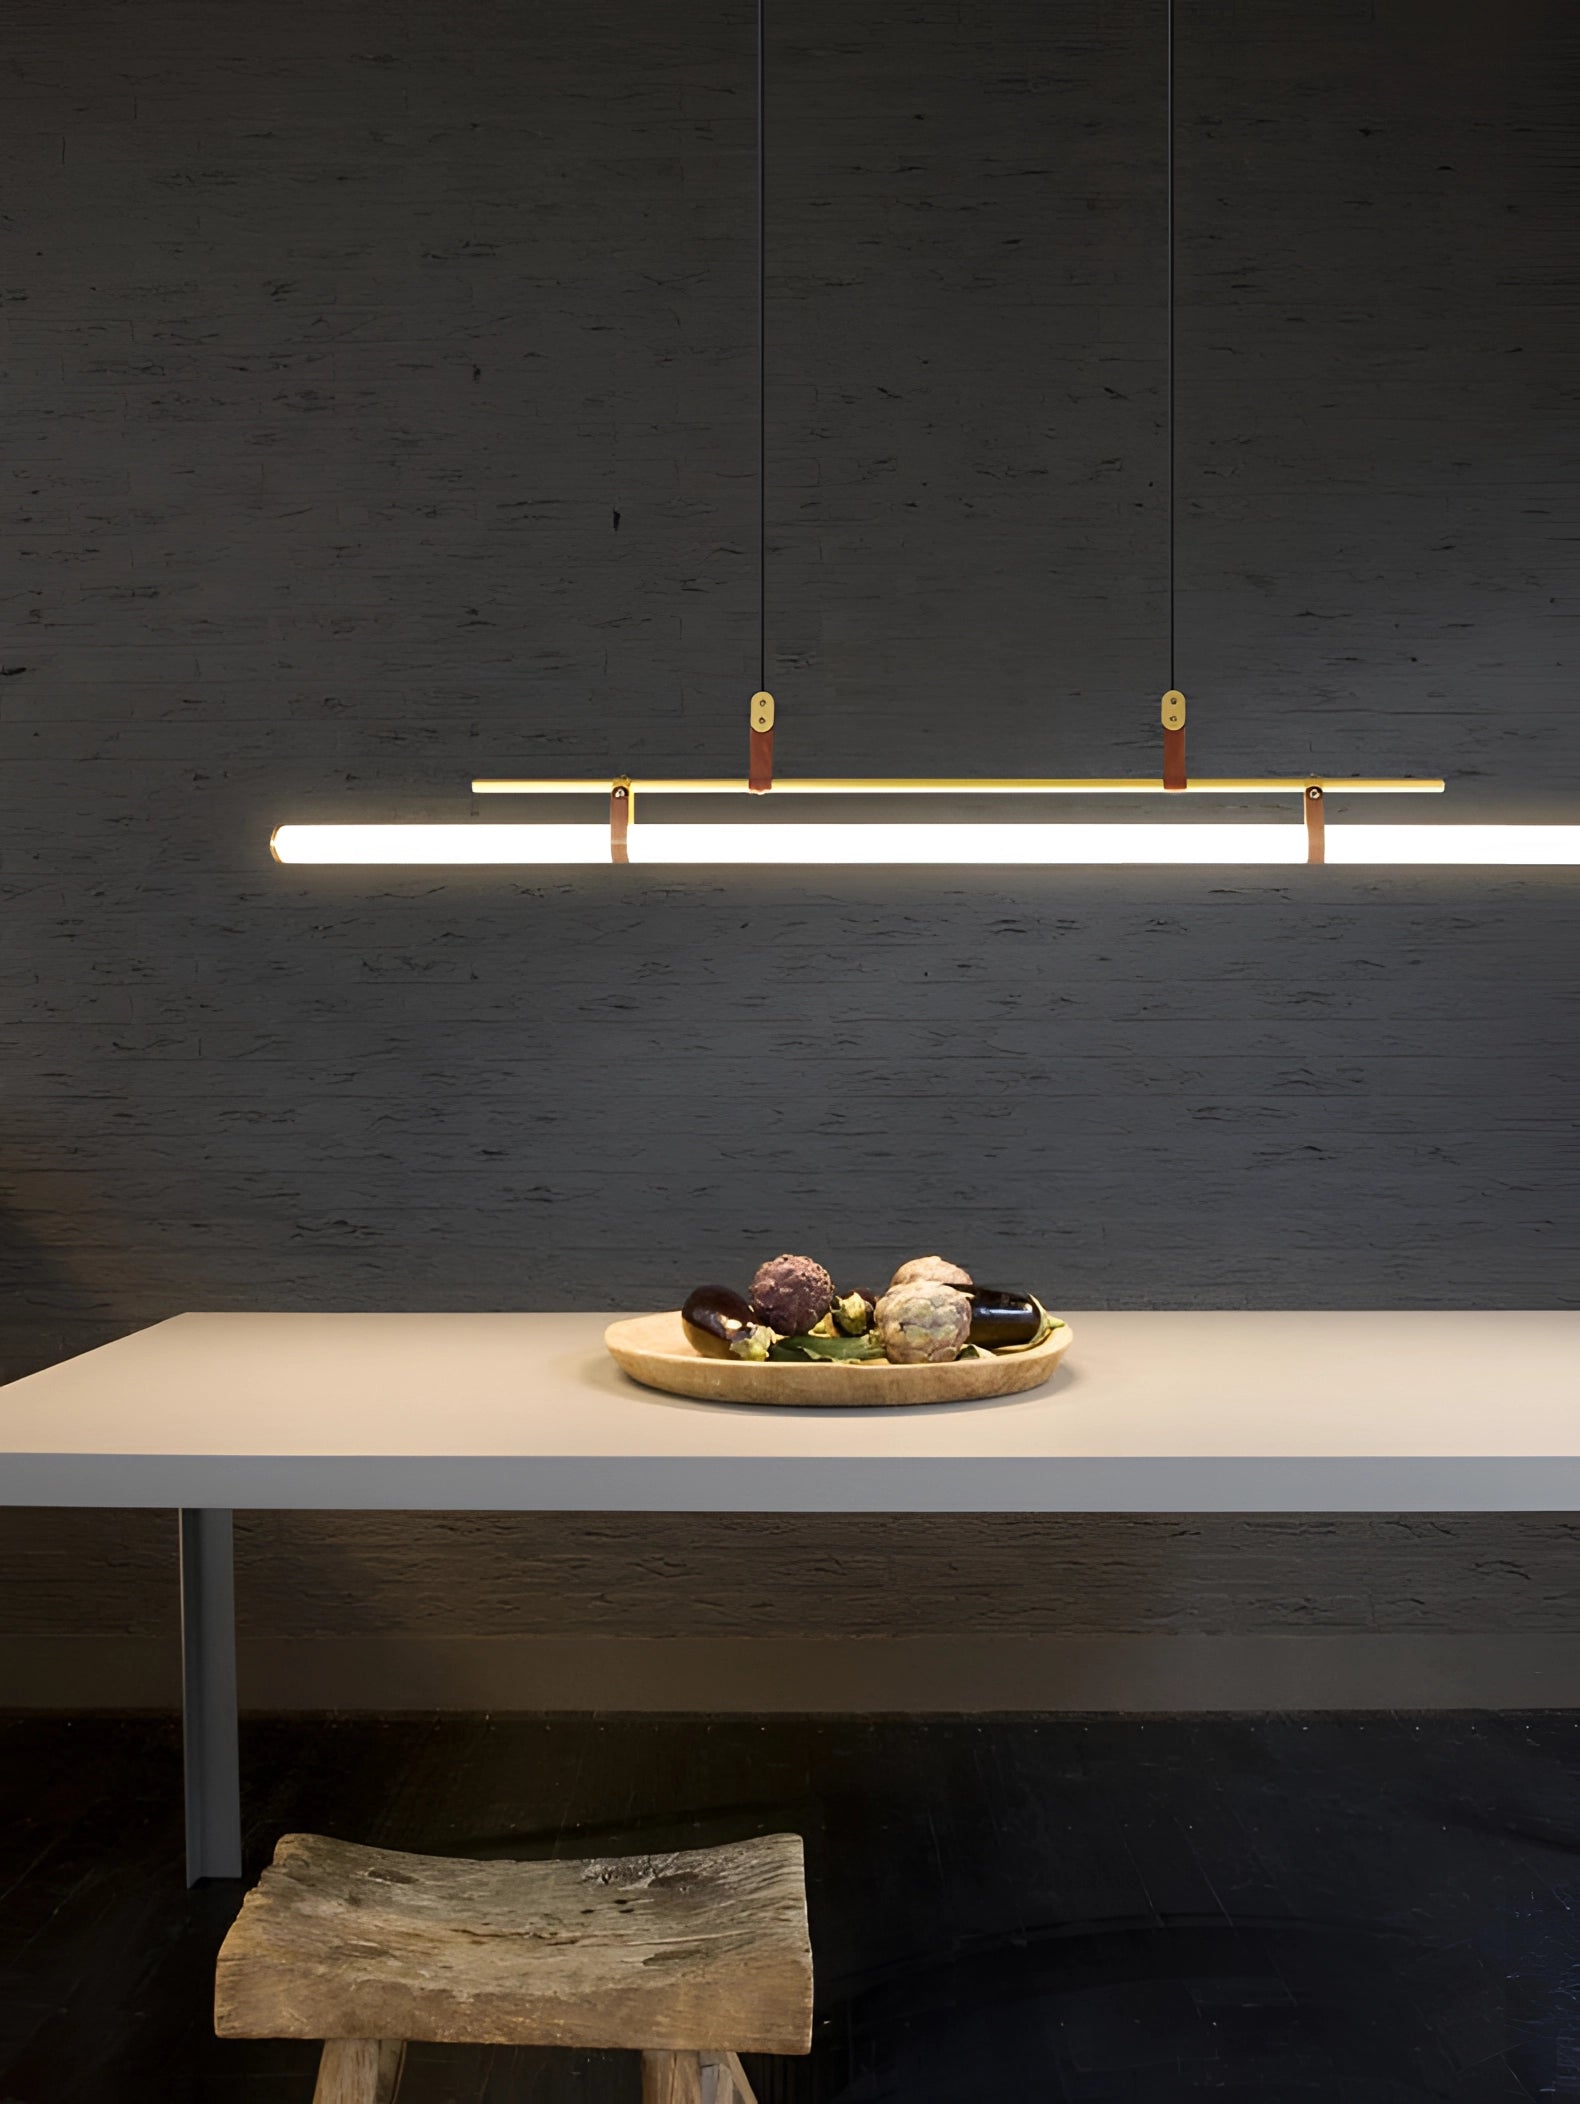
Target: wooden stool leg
{"x":359,"y":2070}
{"x":671,"y":2078}
{"x":724,"y":2080}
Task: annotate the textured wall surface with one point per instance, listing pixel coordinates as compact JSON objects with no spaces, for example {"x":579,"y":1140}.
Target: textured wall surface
{"x":379,"y":410}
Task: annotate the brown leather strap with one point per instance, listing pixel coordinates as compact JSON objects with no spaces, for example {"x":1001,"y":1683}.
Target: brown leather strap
{"x":761,"y":778}
{"x":760,"y":771}
{"x":1316,"y":831}
{"x":620,"y":821}
{"x":1174,"y":759}
{"x":1174,"y":739}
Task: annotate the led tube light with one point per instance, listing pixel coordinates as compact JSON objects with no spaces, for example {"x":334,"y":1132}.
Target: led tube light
{"x":1244,"y":844}
{"x":1513,"y":846}
{"x":387,"y":846}
{"x":981,"y":843}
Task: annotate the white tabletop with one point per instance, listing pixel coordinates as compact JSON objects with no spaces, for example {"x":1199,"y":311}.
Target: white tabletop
{"x":1148,"y":1412}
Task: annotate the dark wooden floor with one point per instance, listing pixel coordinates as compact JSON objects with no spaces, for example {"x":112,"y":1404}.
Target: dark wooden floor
{"x":1364,"y":1909}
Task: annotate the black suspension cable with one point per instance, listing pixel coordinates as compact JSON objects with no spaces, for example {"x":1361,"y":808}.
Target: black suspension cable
{"x":1169,"y":194}
{"x":762,"y":345}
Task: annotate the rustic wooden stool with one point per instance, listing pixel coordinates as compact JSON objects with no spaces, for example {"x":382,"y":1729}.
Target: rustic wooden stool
{"x":690,"y":1958}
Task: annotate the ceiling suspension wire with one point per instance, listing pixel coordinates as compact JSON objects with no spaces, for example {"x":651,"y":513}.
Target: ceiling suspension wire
{"x":760,"y":710}
{"x":762,"y":343}
{"x":1169,"y":245}
{"x":1175,"y":773}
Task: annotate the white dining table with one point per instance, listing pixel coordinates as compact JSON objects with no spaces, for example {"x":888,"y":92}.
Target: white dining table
{"x":1182,"y":1411}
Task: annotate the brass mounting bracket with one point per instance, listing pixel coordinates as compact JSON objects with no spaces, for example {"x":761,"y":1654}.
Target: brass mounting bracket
{"x":1173,"y":712}
{"x":761,"y":769}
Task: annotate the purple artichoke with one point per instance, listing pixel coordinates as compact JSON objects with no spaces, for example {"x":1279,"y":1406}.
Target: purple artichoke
{"x":791,"y":1294}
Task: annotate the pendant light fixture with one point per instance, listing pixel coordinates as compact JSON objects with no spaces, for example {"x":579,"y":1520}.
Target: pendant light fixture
{"x":1305,"y":837}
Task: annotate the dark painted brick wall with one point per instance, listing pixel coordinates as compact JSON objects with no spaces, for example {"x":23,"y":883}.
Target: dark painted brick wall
{"x":379,"y":410}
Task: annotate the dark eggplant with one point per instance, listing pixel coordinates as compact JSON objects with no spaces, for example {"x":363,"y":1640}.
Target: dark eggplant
{"x":715,"y":1316}
{"x":999,"y":1318}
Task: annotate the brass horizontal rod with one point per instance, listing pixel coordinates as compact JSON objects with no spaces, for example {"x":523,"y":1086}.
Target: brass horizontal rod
{"x":952,"y":785}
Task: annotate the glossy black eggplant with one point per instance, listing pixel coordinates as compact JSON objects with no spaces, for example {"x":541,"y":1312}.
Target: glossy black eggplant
{"x":717,"y":1315}
{"x":999,"y":1318}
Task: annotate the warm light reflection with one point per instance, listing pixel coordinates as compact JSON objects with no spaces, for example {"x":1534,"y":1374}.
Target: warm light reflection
{"x":836,"y":843}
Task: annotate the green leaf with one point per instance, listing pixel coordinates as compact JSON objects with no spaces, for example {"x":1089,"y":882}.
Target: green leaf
{"x":815,"y":1348}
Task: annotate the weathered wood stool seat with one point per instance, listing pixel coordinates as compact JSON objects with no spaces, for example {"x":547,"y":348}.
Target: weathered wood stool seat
{"x":690,"y":1957}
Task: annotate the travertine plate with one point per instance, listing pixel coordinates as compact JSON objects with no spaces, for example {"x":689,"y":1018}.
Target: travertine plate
{"x":655,"y":1350}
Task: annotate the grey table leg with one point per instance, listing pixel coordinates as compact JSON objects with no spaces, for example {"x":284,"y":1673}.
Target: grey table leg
{"x":208,"y":1696}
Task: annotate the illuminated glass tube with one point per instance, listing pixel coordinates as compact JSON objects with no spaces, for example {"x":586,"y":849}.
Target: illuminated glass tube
{"x":1510,"y":846}
{"x":1243,"y":844}
{"x":966,"y":844}
{"x":391,"y":846}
